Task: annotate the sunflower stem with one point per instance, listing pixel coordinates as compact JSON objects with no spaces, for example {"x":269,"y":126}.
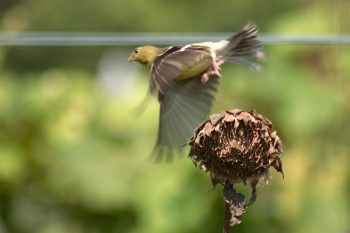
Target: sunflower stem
{"x":227,"y":211}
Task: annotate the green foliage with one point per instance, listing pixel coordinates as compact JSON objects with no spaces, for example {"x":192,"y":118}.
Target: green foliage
{"x":73,"y":157}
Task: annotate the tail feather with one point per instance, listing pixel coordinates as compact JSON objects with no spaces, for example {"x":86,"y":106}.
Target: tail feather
{"x":244,"y":48}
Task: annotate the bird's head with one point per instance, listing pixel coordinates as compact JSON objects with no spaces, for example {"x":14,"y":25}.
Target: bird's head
{"x":144,"y":54}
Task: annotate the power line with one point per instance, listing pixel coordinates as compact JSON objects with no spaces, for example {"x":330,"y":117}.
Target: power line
{"x":132,"y":39}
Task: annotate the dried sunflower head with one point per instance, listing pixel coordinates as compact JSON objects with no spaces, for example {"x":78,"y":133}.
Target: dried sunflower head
{"x":236,"y":146}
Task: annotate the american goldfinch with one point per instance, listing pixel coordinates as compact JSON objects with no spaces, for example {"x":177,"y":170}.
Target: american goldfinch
{"x":185,"y":78}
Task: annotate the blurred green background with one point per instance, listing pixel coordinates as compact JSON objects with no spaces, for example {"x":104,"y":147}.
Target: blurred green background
{"x":73,"y":156}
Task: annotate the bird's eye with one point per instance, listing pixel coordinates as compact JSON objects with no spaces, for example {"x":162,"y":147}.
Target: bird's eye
{"x":136,"y":51}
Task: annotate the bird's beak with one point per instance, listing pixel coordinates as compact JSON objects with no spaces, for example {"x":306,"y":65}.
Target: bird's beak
{"x":131,"y":58}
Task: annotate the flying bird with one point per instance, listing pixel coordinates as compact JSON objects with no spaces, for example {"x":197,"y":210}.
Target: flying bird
{"x":186,"y":77}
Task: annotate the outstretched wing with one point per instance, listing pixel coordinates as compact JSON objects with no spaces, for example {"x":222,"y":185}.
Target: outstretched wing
{"x":185,"y":105}
{"x":178,"y":62}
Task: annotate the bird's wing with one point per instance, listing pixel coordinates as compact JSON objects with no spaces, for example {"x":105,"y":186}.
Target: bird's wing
{"x":185,"y":105}
{"x":178,"y":62}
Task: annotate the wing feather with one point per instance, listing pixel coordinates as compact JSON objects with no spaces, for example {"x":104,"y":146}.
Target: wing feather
{"x":185,"y":105}
{"x":174,"y":62}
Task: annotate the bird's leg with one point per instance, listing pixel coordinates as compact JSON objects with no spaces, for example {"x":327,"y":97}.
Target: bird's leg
{"x":214,"y":70}
{"x":205,"y":77}
{"x":216,"y":67}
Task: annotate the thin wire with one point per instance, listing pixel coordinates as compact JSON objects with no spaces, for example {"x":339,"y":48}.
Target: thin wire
{"x":132,"y":39}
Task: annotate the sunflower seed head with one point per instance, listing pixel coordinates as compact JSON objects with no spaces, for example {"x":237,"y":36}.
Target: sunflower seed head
{"x":236,"y":146}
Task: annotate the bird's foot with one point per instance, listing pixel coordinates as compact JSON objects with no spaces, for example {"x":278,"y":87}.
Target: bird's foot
{"x":213,"y":70}
{"x":205,"y":78}
{"x":217,"y":66}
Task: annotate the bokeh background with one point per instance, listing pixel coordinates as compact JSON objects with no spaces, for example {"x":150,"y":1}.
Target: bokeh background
{"x":73,"y":156}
